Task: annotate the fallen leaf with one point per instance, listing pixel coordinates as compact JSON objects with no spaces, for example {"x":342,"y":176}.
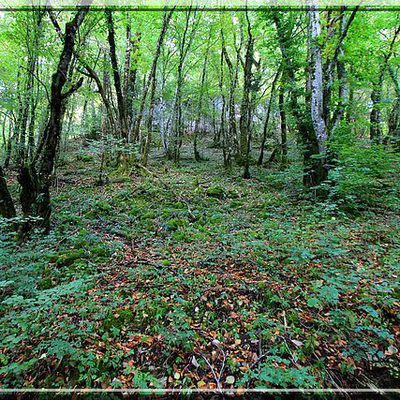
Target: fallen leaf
{"x":298,"y":343}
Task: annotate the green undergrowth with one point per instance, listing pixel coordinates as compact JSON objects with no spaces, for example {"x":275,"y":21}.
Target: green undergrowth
{"x":147,"y":281}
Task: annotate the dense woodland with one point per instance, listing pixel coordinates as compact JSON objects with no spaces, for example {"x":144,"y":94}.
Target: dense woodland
{"x":200,"y":199}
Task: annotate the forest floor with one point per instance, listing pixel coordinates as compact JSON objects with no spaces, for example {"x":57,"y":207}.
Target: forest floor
{"x":190,"y":277}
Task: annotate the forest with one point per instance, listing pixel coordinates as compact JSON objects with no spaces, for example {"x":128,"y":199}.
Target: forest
{"x":200,"y":200}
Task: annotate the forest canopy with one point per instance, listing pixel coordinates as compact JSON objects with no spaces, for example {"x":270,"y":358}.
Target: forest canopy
{"x":257,"y":147}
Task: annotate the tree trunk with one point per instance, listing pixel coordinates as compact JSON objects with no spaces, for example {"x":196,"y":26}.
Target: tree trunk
{"x":184,"y":47}
{"x":265,"y":129}
{"x":394,"y":116}
{"x":376,"y":94}
{"x":153,"y":80}
{"x":9,"y":144}
{"x":234,"y":77}
{"x":221,"y":132}
{"x":90,"y":72}
{"x":375,"y":115}
{"x":282,"y":113}
{"x":313,"y":171}
{"x":130,"y":94}
{"x":36,"y":179}
{"x":244,"y":121}
{"x":196,"y":153}
{"x":317,"y":84}
{"x":117,"y":78}
{"x":7,"y":209}
{"x":343,"y":83}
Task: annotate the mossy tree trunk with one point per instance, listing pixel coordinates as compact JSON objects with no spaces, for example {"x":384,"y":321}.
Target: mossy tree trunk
{"x":7,"y":209}
{"x":35,"y":179}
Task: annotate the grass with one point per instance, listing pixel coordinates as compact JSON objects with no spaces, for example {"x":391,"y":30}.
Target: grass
{"x":166,"y":280}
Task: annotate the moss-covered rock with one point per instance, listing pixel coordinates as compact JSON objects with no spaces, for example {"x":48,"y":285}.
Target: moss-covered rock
{"x":216,"y":192}
{"x":67,"y":258}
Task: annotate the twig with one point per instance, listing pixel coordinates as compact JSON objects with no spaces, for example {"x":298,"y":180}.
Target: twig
{"x":217,"y":380}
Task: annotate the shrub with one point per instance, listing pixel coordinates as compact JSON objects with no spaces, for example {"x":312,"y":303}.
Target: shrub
{"x":364,"y":176}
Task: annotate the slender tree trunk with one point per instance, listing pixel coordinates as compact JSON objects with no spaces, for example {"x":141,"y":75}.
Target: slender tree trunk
{"x":9,"y":145}
{"x":267,"y":118}
{"x":117,"y":78}
{"x":153,"y":79}
{"x":234,"y":76}
{"x":302,"y":115}
{"x":221,"y":132}
{"x":184,"y":47}
{"x":343,"y":83}
{"x":316,"y":143}
{"x":375,"y":115}
{"x":394,"y":116}
{"x":376,"y":94}
{"x":282,"y":113}
{"x":196,"y":153}
{"x":244,"y":121}
{"x":138,"y":122}
{"x":3,"y":131}
{"x":127,"y":65}
{"x":131,"y":90}
{"x":102,"y":88}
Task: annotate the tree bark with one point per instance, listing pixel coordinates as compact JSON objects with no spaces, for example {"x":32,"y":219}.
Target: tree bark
{"x":302,"y":115}
{"x":131,"y":90}
{"x":7,"y":209}
{"x":265,"y":129}
{"x":221,"y":132}
{"x":184,"y":47}
{"x":317,"y":85}
{"x":153,"y":80}
{"x":117,"y":78}
{"x":196,"y":153}
{"x":282,"y":113}
{"x":394,"y":116}
{"x":234,"y":77}
{"x":36,"y":179}
{"x":376,"y":94}
{"x":244,"y":121}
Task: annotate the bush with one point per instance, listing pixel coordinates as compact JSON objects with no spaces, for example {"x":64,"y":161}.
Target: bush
{"x":365,"y":176}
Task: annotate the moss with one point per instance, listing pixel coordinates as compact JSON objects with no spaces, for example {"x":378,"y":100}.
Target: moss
{"x":216,"y":192}
{"x":85,"y":158}
{"x":100,"y":251}
{"x":67,"y":258}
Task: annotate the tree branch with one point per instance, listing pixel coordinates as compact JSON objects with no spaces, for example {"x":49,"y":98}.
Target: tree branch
{"x":73,"y":89}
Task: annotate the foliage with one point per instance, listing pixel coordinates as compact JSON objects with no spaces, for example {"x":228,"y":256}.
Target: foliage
{"x":288,"y":292}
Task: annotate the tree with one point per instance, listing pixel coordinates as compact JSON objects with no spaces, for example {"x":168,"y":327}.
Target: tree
{"x":35,"y":178}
